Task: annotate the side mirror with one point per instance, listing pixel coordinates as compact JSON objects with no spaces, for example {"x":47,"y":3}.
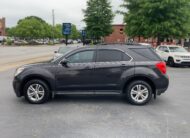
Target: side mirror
{"x":55,"y":52}
{"x":64,"y":62}
{"x":167,"y":51}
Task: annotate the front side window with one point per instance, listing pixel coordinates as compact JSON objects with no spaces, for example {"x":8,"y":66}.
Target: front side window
{"x":111,"y":56}
{"x":82,"y":57}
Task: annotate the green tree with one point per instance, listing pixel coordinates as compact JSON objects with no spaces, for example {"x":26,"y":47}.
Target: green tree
{"x":74,"y":32}
{"x":31,"y":27}
{"x":157,"y":18}
{"x":98,"y":18}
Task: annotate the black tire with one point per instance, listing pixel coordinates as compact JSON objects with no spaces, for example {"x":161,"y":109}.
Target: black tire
{"x":46,"y":91}
{"x":171,"y":62}
{"x":130,"y":97}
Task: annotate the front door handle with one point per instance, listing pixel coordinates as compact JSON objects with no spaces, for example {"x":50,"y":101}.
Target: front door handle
{"x":123,"y":65}
{"x":88,"y":67}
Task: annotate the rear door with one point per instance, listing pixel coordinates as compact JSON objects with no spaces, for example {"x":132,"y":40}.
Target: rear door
{"x":109,"y":66}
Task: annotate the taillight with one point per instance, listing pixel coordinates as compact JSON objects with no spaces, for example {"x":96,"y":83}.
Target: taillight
{"x":161,"y":66}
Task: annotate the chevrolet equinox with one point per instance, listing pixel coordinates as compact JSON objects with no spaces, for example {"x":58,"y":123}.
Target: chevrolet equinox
{"x":136,"y":72}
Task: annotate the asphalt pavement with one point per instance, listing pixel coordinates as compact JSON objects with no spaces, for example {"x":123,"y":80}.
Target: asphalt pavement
{"x":100,"y":116}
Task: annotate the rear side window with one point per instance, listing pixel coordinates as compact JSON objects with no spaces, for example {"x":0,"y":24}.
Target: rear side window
{"x":111,"y":56}
{"x":146,"y":54}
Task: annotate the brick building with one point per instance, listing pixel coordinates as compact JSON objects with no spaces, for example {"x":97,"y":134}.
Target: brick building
{"x":2,"y":27}
{"x":117,"y":36}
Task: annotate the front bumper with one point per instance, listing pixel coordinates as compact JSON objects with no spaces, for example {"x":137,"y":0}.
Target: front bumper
{"x":183,"y":62}
{"x":17,"y":87}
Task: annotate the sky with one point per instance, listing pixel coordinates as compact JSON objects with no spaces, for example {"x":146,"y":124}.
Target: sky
{"x":65,"y":10}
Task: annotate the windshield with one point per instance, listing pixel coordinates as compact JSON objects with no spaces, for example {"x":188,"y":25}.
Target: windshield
{"x":177,"y":49}
{"x":64,"y":50}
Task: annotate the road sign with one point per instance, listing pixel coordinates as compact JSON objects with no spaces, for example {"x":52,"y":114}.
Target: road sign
{"x":83,"y":33}
{"x":66,"y":29}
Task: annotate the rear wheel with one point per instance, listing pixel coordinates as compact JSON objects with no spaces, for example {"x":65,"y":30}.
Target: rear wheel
{"x":139,"y":93}
{"x":171,"y":62}
{"x":36,"y":92}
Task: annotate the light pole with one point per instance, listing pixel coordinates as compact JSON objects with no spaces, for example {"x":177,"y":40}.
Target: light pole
{"x":53,"y":24}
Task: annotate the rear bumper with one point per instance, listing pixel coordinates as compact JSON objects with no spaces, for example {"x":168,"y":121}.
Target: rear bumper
{"x":162,"y":85}
{"x":17,"y":87}
{"x":161,"y":91}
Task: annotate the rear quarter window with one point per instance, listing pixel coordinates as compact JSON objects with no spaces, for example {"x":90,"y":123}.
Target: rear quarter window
{"x":144,"y":54}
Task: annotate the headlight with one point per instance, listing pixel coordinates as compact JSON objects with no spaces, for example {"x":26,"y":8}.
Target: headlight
{"x":19,"y":70}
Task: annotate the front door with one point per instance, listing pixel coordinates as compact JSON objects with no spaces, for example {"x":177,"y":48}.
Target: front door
{"x":77,"y":75}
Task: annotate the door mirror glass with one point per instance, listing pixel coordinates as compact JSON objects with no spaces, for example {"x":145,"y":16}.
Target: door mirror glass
{"x":64,"y":62}
{"x":167,"y":51}
{"x":55,"y":52}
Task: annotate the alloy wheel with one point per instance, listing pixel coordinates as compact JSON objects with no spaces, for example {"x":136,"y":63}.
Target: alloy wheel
{"x":139,"y":93}
{"x":35,"y":92}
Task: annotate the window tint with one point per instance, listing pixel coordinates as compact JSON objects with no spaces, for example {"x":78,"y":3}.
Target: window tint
{"x":111,"y":56}
{"x":82,"y":57}
{"x":165,"y":49}
{"x":64,"y":50}
{"x":126,"y":57}
{"x":147,"y":53}
{"x":161,"y":48}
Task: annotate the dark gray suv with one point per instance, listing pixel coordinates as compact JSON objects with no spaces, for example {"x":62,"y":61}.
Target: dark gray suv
{"x":137,"y":72}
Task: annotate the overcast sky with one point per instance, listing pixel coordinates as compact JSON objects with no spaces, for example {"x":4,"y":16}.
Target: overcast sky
{"x":65,"y":10}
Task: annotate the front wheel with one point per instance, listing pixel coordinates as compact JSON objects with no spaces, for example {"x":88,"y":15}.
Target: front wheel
{"x":171,"y":62}
{"x":139,"y":93}
{"x":36,"y":92}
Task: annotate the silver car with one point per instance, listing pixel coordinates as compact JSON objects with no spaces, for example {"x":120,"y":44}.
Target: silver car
{"x":63,"y":50}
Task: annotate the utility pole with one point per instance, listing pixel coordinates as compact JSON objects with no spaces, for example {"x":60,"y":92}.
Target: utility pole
{"x":53,"y":24}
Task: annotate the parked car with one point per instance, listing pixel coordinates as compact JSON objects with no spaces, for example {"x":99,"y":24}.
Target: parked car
{"x":75,"y":42}
{"x":62,"y":50}
{"x":174,"y":55}
{"x":20,"y":42}
{"x":63,"y":41}
{"x":145,"y":44}
{"x":70,"y":41}
{"x":135,"y":72}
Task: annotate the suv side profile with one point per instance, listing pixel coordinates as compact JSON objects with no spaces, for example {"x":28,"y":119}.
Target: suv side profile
{"x":136,"y":72}
{"x":174,"y":55}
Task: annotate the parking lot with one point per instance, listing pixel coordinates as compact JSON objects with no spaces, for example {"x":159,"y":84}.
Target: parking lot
{"x":97,"y":116}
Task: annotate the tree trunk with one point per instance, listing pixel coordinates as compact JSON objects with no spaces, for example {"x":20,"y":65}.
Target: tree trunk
{"x":158,"y":40}
{"x":139,"y":39}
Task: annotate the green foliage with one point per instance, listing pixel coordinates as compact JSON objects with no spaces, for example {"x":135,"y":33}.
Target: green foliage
{"x":8,"y":41}
{"x":33,"y":27}
{"x":98,"y":18}
{"x":75,"y":34}
{"x":157,"y":18}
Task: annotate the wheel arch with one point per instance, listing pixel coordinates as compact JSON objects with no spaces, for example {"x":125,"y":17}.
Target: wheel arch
{"x":142,"y":78}
{"x":35,"y":77}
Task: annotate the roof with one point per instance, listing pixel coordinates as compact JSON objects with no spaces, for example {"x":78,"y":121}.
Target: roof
{"x":117,"y":46}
